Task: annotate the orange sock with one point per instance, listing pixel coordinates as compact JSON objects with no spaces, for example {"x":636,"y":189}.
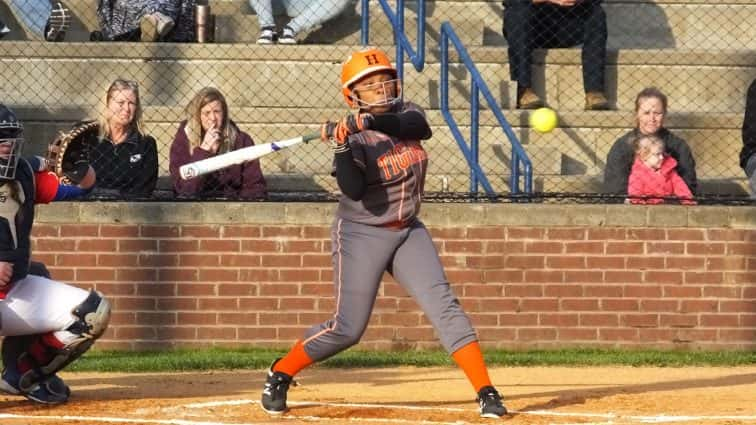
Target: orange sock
{"x":294,"y":361}
{"x":470,"y":359}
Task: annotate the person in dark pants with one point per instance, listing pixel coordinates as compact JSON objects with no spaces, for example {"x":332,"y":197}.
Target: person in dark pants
{"x":537,"y":24}
{"x":748,"y":153}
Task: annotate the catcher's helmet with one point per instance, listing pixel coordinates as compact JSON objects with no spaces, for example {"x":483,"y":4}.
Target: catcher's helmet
{"x":11,"y":142}
{"x":361,"y":64}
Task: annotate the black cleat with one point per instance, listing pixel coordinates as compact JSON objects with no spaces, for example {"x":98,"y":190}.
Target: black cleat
{"x":275,"y":390}
{"x":490,"y":403}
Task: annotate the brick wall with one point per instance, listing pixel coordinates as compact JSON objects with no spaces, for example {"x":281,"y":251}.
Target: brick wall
{"x":196,"y":274}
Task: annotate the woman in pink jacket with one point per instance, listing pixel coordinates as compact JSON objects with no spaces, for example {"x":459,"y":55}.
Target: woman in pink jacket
{"x":654,"y":176}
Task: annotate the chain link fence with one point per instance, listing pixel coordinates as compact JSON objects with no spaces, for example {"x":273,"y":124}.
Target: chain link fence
{"x":280,"y":78}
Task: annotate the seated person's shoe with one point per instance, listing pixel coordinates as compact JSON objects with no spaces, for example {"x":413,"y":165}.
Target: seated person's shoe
{"x":596,"y":101}
{"x":267,"y":35}
{"x":57,"y":23}
{"x":288,"y":36}
{"x":528,"y":99}
{"x":3,"y":29}
{"x":155,"y":26}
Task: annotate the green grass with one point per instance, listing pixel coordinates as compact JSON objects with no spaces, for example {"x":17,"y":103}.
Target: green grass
{"x":219,"y":358}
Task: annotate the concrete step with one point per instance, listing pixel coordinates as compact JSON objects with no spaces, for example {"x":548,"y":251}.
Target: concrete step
{"x":692,"y":24}
{"x":256,"y":76}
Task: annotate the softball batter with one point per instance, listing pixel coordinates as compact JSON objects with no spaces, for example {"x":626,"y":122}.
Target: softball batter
{"x":380,"y":167}
{"x":45,"y":324}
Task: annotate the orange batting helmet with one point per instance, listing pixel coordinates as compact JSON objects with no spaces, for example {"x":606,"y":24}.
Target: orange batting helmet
{"x":363,"y":63}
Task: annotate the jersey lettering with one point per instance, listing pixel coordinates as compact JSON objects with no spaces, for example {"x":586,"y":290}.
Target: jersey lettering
{"x":401,"y":157}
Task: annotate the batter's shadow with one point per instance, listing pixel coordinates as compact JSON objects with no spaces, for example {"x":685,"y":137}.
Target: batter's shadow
{"x":571,"y":397}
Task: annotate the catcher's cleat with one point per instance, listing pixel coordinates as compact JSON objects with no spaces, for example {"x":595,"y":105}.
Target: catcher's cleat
{"x":275,"y":390}
{"x":490,"y":403}
{"x":50,"y":391}
{"x":57,"y":23}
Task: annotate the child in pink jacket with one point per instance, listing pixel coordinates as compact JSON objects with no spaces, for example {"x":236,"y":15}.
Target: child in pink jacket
{"x":654,"y":174}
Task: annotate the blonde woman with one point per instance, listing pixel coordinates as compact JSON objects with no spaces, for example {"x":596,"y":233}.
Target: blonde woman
{"x":208,"y":131}
{"x":124,"y":158}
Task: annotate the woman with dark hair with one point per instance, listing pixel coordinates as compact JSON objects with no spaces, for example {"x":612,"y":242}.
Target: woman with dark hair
{"x":208,"y":131}
{"x":650,"y":111}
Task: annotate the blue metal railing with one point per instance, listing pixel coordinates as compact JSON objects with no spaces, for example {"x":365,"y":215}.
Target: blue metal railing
{"x":417,"y":57}
{"x":519,"y":159}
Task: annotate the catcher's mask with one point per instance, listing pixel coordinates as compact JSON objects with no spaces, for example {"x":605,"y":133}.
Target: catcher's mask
{"x":11,"y":143}
{"x":361,"y":64}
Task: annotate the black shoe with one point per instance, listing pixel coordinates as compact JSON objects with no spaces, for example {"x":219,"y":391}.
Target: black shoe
{"x":57,"y":23}
{"x":490,"y":403}
{"x":274,"y":393}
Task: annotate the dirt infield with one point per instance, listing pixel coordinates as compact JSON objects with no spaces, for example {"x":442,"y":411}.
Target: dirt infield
{"x":432,"y":396}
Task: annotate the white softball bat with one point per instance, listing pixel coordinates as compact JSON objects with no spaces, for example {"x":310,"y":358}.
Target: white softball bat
{"x":239,"y":156}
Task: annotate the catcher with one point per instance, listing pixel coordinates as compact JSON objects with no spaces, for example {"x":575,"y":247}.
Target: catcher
{"x":45,"y":324}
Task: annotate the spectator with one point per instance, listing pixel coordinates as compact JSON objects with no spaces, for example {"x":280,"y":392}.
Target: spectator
{"x":3,"y":29}
{"x":208,"y":131}
{"x":650,"y":111}
{"x":748,"y":153}
{"x":305,"y":14}
{"x":145,"y":20}
{"x":125,"y":159}
{"x":43,"y":19}
{"x":654,"y":174}
{"x":535,"y":24}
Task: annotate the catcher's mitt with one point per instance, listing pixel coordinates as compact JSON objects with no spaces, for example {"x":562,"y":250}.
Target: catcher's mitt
{"x":68,"y":154}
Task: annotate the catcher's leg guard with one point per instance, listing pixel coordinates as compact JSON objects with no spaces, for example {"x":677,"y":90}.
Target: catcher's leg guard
{"x":51,"y":352}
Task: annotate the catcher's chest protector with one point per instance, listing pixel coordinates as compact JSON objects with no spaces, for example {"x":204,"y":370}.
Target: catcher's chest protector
{"x":16,"y":219}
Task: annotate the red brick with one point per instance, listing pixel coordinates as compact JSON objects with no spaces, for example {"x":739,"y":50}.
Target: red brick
{"x":699,"y":306}
{"x":748,"y":278}
{"x":278,"y":289}
{"x":576,"y":334}
{"x":650,"y":234}
{"x":540,"y":247}
{"x":195,"y":290}
{"x":259,"y":245}
{"x":686,"y":234}
{"x":282,"y":231}
{"x":176,"y":332}
{"x":720,"y":320}
{"x":486,"y":232}
{"x":623,"y":276}
{"x":725,"y":234}
{"x":484,"y":262}
{"x":129,"y":274}
{"x":219,"y":245}
{"x":131,"y":333}
{"x":465,"y":276}
{"x":526,"y":261}
{"x":666,"y":248}
{"x":645,"y":263}
{"x":219,"y":304}
{"x":565,"y":262}
{"x":134,"y":304}
{"x":748,"y":320}
{"x":216,"y":333}
{"x":200,"y":231}
{"x":399,"y":319}
{"x":259,"y":275}
{"x":745,"y":306}
{"x":722,"y":292}
{"x":524,"y":233}
{"x":484,"y":319}
{"x":182,"y":245}
{"x":624,"y":335}
{"x":705,"y":248}
{"x":584,"y":247}
{"x":605,"y":234}
{"x":663,"y":277}
{"x":624,"y":248}
{"x":686,"y":263}
{"x":544,"y":276}
{"x":97,"y":275}
{"x":177,"y":304}
{"x":481,"y":290}
{"x":119,"y":231}
{"x":116,"y":289}
{"x":558,"y":319}
{"x":298,"y":275}
{"x":527,"y":291}
{"x":462,"y":247}
{"x":602,"y":291}
{"x":316,"y":232}
{"x":725,"y":263}
{"x":681,"y":291}
{"x":57,"y":245}
{"x":690,"y":335}
{"x":504,"y":276}
{"x":694,"y":278}
{"x":502,"y":304}
{"x":240,"y":231}
{"x":293,"y":246}
{"x":150,"y":231}
{"x":259,"y":303}
{"x":136,"y":245}
{"x":563,"y":291}
{"x":620,"y":304}
{"x":197,"y":318}
{"x":659,"y":305}
{"x":639,"y":320}
{"x":156,"y":318}
{"x":642,"y":291}
{"x":746,"y":249}
{"x":748,"y":335}
{"x":416,"y":334}
{"x":116,"y":260}
{"x":598,"y":319}
{"x":237,"y":289}
{"x":518,"y":319}
{"x":76,"y":260}
{"x":177,"y":275}
{"x":317,"y":289}
{"x":46,"y":259}
{"x":566,"y":234}
{"x":199,"y":260}
{"x":318,"y":261}
{"x":46,"y":230}
{"x":505,"y":247}
{"x":79,"y":230}
{"x":544,"y":304}
{"x":605,"y":263}
{"x":282,"y":260}
{"x":536,"y":334}
{"x":578,"y":304}
{"x":583,"y":276}
{"x":219,"y":275}
{"x":678,"y":320}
